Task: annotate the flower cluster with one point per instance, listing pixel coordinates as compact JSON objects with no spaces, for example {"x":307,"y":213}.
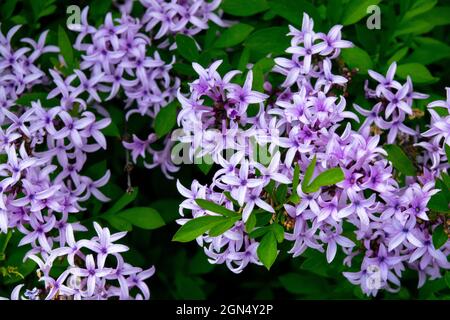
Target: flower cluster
{"x":369,"y":214}
{"x":90,"y":274}
{"x":116,"y":54}
{"x":163,"y":18}
{"x":45,"y":142}
{"x":438,"y":135}
{"x":45,"y":149}
{"x":394,"y":104}
{"x":18,"y":69}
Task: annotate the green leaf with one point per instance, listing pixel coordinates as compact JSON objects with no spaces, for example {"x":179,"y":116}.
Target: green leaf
{"x":111,"y":130}
{"x":326,"y":178}
{"x":400,"y":160}
{"x":429,"y":50}
{"x":166,"y":119}
{"x":47,"y":11}
{"x":27,"y":98}
{"x":418,"y":73}
{"x":125,"y":200}
{"x":167,"y":208}
{"x":184,"y":69}
{"x":205,"y":164}
{"x":8,"y":8}
{"x":19,"y":19}
{"x":65,"y":46}
{"x":291,"y":10}
{"x":260,"y":68}
{"x":262,"y":217}
{"x":196,"y":227}
{"x":357,"y":58}
{"x":398,"y":55}
{"x":42,"y":8}
{"x":413,"y":26}
{"x":440,"y":201}
{"x":187,"y":47}
{"x":356,"y":10}
{"x":309,"y":173}
{"x":419,"y":7}
{"x":119,"y":223}
{"x":4,"y":240}
{"x":439,"y":237}
{"x":302,"y":284}
{"x":280,"y":193}
{"x":187,"y":287}
{"x":447,"y":152}
{"x":99,"y":8}
{"x":268,"y":40}
{"x":250,"y":224}
{"x":233,"y":35}
{"x":244,"y":59}
{"x":15,"y":259}
{"x":316,"y":263}
{"x":296,"y":178}
{"x":267,"y":250}
{"x":214,"y":207}
{"x":278,"y":231}
{"x":210,"y":36}
{"x":447,"y":278}
{"x":199,"y":264}
{"x":259,"y":232}
{"x":142,"y":217}
{"x":438,"y":16}
{"x":244,"y":8}
{"x":223,"y":226}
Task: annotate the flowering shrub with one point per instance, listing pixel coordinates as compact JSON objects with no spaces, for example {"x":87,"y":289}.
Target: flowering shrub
{"x":309,"y":152}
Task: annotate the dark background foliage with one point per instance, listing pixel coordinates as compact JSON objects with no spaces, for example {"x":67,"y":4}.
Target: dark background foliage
{"x":413,"y":33}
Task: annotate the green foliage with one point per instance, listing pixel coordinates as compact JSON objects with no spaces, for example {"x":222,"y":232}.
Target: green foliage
{"x":142,"y":217}
{"x":166,"y":119}
{"x":198,"y":226}
{"x":65,"y":45}
{"x":327,"y":178}
{"x":440,"y":202}
{"x":413,"y":33}
{"x":400,"y":160}
{"x":244,"y":8}
{"x":213,"y":207}
{"x":356,"y":10}
{"x":267,"y":249}
{"x":289,"y":9}
{"x":418,"y":73}
{"x":187,"y":48}
{"x":439,"y":237}
{"x":268,"y":40}
{"x":234,"y":35}
{"x":357,"y":58}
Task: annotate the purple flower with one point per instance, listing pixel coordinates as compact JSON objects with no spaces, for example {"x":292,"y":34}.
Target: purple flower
{"x":307,"y":50}
{"x":253,"y":199}
{"x":244,"y":95}
{"x":91,"y":273}
{"x":138,"y":146}
{"x":359,"y":205}
{"x":38,"y":233}
{"x":387,"y":82}
{"x":395,"y":101}
{"x":137,"y":280}
{"x":334,"y":42}
{"x":241,"y":182}
{"x":402,"y":232}
{"x":73,"y":127}
{"x":104,"y":245}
